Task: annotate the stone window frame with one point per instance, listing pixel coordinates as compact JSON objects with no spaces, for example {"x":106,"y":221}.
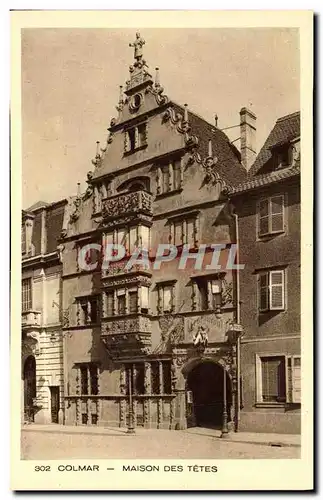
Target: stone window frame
{"x":291,"y":396}
{"x":112,"y":236}
{"x":134,"y":139}
{"x":184,"y":219}
{"x":208,"y":280}
{"x":83,"y":304}
{"x":161,"y":287}
{"x":173,"y":185}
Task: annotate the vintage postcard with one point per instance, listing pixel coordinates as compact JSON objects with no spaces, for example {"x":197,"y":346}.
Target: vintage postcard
{"x":162,"y":333}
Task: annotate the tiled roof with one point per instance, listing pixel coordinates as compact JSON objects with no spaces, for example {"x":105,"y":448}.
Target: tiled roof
{"x":286,"y":129}
{"x":228,"y":165}
{"x":270,"y":178}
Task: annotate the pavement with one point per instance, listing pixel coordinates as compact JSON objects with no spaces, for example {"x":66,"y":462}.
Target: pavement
{"x":58,"y":441}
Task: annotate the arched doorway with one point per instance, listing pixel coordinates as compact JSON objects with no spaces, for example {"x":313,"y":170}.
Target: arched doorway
{"x":205,"y":381}
{"x":29,"y":387}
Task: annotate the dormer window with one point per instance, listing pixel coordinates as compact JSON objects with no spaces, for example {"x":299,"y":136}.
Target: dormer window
{"x":135,"y":138}
{"x":283,"y":155}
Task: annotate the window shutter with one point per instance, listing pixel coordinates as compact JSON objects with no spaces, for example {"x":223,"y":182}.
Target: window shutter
{"x":296,"y":379}
{"x":263,"y":292}
{"x":277,"y":213}
{"x":276,"y":287}
{"x":263,"y":217}
{"x":273,"y":379}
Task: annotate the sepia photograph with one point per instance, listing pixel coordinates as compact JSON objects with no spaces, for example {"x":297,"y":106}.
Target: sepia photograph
{"x":160,"y":246}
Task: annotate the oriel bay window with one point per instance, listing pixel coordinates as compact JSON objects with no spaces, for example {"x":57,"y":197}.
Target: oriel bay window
{"x":271,"y":290}
{"x":130,"y":237}
{"x":122,"y":301}
{"x":271,"y":215}
{"x":278,"y":378}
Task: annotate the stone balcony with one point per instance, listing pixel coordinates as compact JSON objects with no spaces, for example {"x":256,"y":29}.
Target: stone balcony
{"x":31,"y":319}
{"x":127,"y":205}
{"x":127,"y":336}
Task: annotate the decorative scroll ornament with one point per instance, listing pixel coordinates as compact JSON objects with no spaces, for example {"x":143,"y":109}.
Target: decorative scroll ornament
{"x":211,"y":176}
{"x":157,"y":92}
{"x":172,"y":332}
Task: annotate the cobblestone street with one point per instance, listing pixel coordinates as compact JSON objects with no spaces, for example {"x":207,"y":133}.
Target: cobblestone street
{"x":145,"y":444}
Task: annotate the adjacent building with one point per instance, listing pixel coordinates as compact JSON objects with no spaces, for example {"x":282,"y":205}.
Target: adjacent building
{"x":268,"y":210}
{"x":42,"y":344}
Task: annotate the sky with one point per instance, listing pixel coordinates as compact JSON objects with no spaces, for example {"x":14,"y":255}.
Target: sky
{"x":71,"y":78}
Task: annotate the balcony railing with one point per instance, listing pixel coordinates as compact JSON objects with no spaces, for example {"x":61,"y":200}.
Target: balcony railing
{"x":30,"y":319}
{"x":127,"y":204}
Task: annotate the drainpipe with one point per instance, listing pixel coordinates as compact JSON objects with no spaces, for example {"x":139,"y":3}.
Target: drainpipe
{"x":238,"y":322}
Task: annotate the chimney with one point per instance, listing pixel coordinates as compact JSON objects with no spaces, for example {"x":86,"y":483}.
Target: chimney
{"x":247,"y":137}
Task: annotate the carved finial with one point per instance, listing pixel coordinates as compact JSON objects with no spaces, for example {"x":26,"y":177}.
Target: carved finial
{"x":216,"y":120}
{"x":210,"y":153}
{"x":157,"y":80}
{"x":97,"y":155}
{"x":185,"y":114}
{"x":137,"y":44}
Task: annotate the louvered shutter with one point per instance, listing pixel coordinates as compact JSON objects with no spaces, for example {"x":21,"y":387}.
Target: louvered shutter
{"x":277,"y":214}
{"x":276,"y":290}
{"x":296,"y":379}
{"x":263,"y":292}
